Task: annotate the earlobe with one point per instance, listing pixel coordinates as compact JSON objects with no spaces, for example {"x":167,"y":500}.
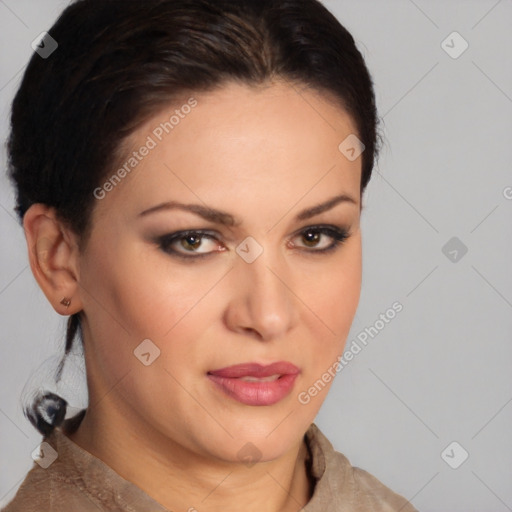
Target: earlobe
{"x":53,"y":256}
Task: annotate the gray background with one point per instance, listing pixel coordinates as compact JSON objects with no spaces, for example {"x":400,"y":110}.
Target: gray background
{"x":440,"y":371}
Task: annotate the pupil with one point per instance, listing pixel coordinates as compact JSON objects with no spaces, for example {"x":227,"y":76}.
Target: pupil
{"x":312,"y":237}
{"x":195,"y":241}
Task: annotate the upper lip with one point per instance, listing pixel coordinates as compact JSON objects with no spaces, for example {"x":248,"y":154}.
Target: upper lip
{"x":256,"y":370}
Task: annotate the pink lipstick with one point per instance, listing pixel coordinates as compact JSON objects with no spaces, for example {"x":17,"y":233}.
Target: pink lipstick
{"x":255,"y":384}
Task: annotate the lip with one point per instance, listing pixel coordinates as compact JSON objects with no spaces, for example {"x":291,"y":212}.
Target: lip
{"x":229,"y":380}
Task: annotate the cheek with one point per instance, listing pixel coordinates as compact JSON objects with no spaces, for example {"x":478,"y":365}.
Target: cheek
{"x":131,"y":299}
{"x":334,"y":300}
{"x":333,"y":296}
{"x":145,"y":291}
{"x":334,"y":291}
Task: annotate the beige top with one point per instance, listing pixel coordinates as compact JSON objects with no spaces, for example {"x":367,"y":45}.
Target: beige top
{"x":77,"y":481}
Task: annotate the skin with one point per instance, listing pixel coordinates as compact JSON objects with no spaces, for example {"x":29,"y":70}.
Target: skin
{"x":262,"y":154}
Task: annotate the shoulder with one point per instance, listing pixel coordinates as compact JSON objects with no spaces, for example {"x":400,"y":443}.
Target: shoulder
{"x":379,"y":495}
{"x":50,"y":487}
{"x":45,"y":491}
{"x":65,"y":478}
{"x":346,"y":487}
{"x":32,"y":490}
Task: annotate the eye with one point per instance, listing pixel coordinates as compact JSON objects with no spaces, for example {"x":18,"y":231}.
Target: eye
{"x":315,"y":237}
{"x":199,"y":244}
{"x":190,"y":242}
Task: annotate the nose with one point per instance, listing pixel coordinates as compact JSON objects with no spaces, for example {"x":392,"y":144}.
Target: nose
{"x":264,"y":302}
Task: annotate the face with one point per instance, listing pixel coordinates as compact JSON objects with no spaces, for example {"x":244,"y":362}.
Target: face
{"x":272,"y":278}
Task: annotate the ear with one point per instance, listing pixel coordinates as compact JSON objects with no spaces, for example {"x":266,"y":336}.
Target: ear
{"x":54,"y":257}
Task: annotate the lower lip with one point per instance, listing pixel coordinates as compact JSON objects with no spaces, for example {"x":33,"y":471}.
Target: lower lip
{"x":256,"y":393}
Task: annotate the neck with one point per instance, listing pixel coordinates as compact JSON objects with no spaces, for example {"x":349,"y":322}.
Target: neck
{"x":180,"y":479}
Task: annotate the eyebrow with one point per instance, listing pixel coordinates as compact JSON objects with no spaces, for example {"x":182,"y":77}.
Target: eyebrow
{"x":226,"y":219}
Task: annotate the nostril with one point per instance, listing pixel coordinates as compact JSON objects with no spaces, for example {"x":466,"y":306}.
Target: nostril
{"x":250,"y":330}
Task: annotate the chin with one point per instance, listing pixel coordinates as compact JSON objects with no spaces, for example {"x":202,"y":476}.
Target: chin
{"x":258,"y":440}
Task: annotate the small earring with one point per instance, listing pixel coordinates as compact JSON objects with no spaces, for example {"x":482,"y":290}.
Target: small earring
{"x":66,"y":302}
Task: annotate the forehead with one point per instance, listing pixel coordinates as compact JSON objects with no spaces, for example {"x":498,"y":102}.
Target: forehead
{"x":278,"y":140}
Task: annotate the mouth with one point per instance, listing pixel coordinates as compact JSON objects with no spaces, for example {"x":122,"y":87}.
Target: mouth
{"x":255,"y":384}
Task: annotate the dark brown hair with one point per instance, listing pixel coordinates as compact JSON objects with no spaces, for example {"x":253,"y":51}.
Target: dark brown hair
{"x":119,"y":62}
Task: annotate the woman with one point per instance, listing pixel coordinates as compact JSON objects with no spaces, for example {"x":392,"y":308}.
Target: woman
{"x":189,"y":176}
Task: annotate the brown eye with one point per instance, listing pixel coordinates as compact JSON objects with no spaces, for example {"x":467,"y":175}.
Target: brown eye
{"x":188,"y":244}
{"x":313,"y":238}
{"x":191,"y":241}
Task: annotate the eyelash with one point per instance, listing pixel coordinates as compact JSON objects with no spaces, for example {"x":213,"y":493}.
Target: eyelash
{"x":164,"y":242}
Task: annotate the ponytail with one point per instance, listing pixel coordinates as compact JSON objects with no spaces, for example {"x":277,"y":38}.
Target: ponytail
{"x":47,"y":409}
